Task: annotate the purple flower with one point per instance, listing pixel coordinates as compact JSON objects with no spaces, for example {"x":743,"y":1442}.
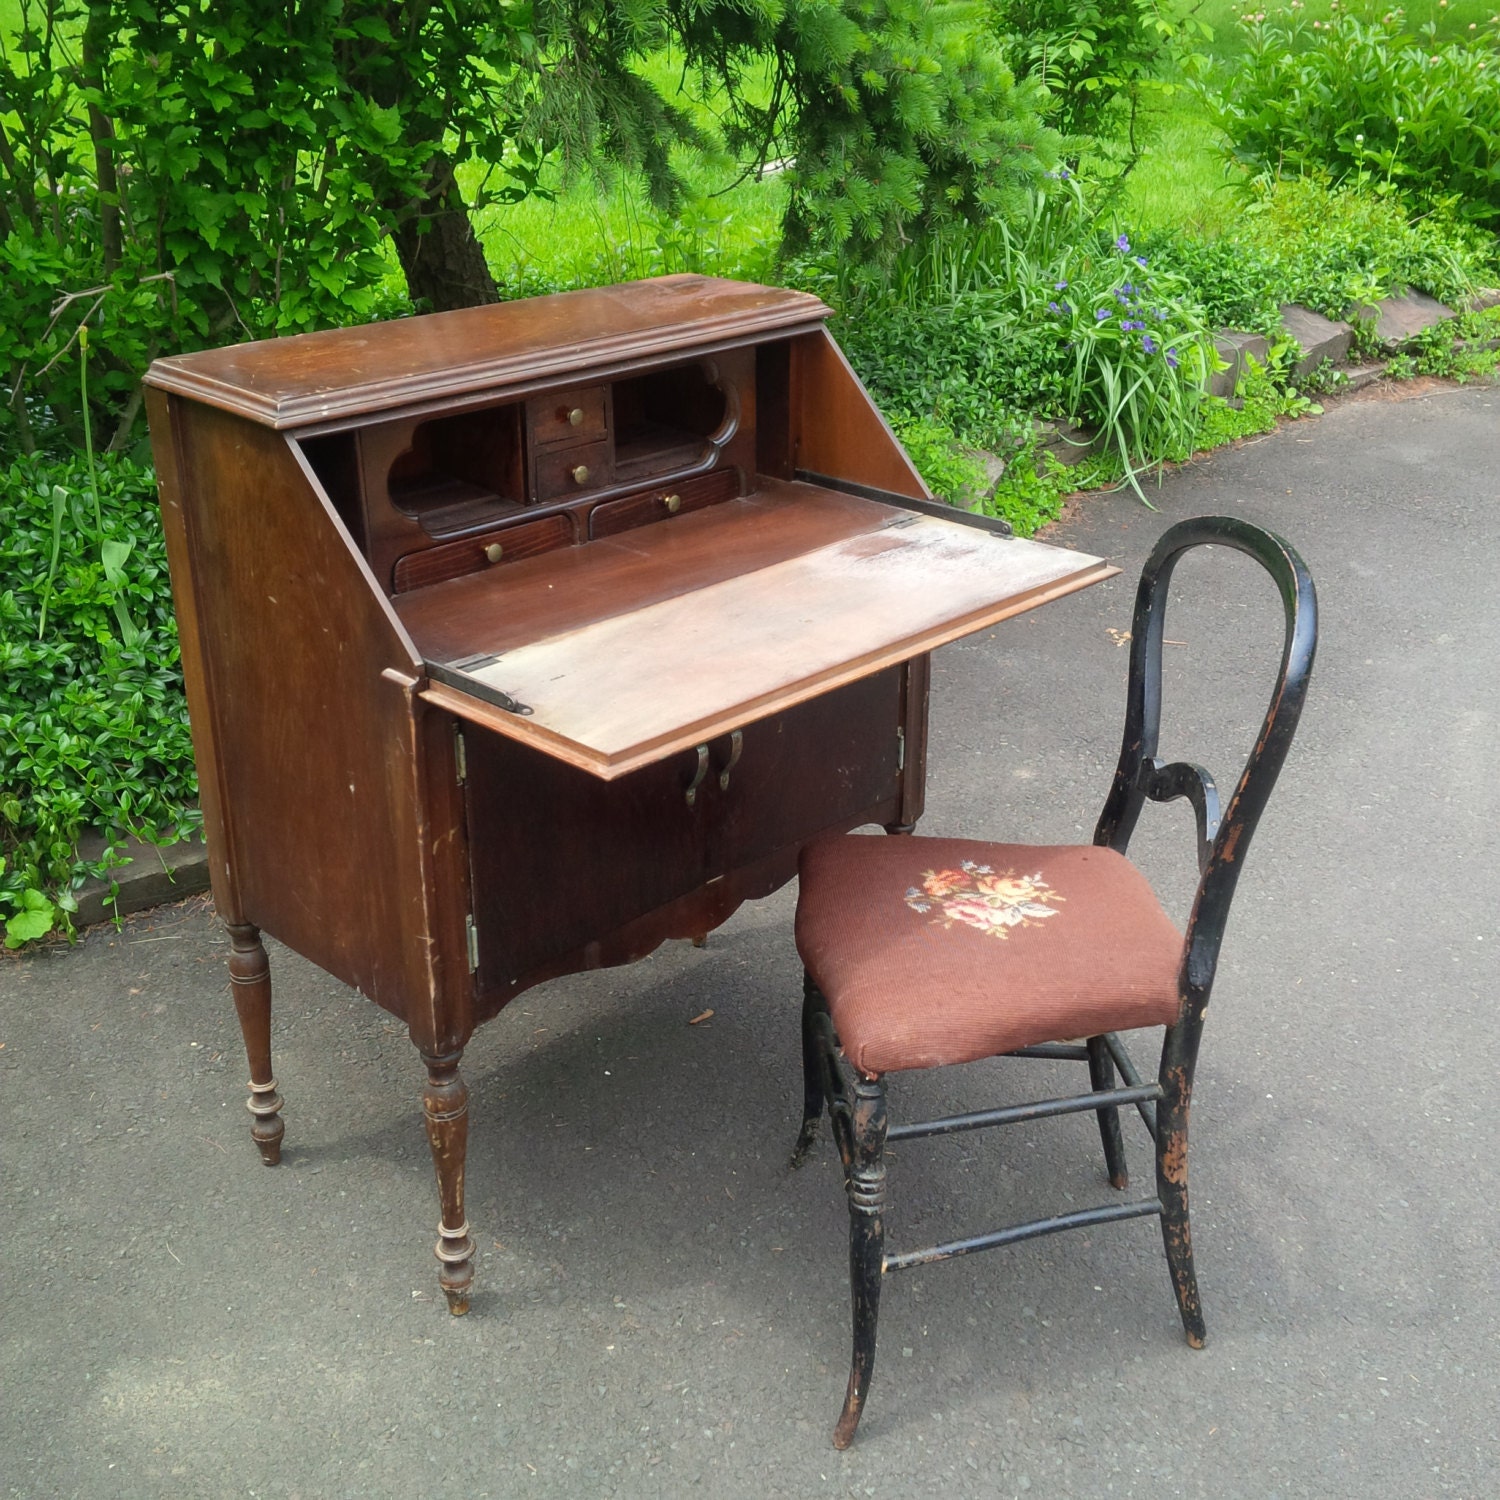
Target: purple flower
{"x":1140,"y":260}
{"x":1171,"y":359}
{"x":1123,"y":245}
{"x":1102,"y":315}
{"x":1059,"y":286}
{"x":1053,"y":308}
{"x":1148,"y":343}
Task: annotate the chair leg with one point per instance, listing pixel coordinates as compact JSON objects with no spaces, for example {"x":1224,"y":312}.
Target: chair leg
{"x":1102,"y":1076}
{"x":1172,"y":1189}
{"x":812,"y":1078}
{"x":866,"y":1187}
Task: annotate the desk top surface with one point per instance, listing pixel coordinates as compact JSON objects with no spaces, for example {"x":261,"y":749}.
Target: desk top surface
{"x":341,"y":374}
{"x":632,"y":647}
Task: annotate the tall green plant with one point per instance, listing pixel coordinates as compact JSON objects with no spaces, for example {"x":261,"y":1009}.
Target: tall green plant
{"x":1368,"y":100}
{"x":1140,"y":353}
{"x":1104,"y":61}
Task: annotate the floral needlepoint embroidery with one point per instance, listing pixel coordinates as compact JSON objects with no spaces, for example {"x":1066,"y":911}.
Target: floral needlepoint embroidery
{"x":978,"y":897}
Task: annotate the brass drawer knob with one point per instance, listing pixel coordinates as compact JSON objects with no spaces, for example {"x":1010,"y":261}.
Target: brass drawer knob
{"x":673,"y":503}
{"x":575,"y":417}
{"x":581,"y":474}
{"x":494,"y":552}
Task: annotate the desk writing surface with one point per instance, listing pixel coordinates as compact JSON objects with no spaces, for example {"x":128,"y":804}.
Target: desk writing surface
{"x":630,"y":648}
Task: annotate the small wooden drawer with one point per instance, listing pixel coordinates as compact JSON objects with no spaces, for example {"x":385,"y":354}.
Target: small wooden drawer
{"x":567,"y":416}
{"x":664,"y":502}
{"x":559,"y":472}
{"x":454,"y":559}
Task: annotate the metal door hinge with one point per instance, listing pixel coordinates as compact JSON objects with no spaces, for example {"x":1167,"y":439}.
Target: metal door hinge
{"x":472,"y":934}
{"x":460,"y":757}
{"x":900,"y":749}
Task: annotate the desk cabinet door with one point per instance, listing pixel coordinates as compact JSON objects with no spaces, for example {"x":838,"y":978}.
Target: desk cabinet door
{"x":560,"y":859}
{"x":826,"y":764}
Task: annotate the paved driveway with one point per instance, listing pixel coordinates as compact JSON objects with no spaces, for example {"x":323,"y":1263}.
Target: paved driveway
{"x":662,"y":1308}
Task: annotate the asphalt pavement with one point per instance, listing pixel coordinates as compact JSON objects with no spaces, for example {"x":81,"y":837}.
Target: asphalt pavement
{"x":661,"y":1307}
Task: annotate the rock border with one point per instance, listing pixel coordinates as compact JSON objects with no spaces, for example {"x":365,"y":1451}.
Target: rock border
{"x":156,"y":873}
{"x":1398,"y":320}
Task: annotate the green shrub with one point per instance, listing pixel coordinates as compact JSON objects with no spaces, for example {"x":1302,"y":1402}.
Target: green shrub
{"x":952,"y":472}
{"x":1102,"y":60}
{"x":1304,"y":240}
{"x":93,"y":733}
{"x":966,"y":364}
{"x":1044,"y":314}
{"x":1369,"y":101}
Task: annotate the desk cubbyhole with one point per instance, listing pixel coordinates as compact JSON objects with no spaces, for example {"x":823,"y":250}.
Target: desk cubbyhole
{"x":670,"y":420}
{"x":461,"y":471}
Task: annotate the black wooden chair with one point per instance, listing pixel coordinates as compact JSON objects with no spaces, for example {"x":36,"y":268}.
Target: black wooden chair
{"x":925,"y":952}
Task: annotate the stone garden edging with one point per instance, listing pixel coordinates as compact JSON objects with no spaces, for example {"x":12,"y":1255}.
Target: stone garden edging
{"x":1398,"y":321}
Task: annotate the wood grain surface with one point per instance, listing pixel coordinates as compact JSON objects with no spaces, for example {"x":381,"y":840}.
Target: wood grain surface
{"x":349,"y":372}
{"x":626,"y":651}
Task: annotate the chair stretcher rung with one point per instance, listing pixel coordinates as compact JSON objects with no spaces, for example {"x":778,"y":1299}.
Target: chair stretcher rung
{"x":1126,"y":1066}
{"x":1014,"y":1113}
{"x":1066,"y":1051}
{"x":1084,"y":1218}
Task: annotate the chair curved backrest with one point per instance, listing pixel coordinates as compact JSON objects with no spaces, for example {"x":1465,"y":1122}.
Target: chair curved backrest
{"x":1222,"y":840}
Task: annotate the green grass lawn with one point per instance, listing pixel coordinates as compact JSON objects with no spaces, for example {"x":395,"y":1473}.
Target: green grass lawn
{"x":593,"y":232}
{"x":590,"y":234}
{"x":1451,"y":19}
{"x":597,"y":234}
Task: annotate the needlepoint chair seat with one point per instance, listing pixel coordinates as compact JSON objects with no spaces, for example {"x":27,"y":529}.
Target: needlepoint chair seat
{"x":937,"y":951}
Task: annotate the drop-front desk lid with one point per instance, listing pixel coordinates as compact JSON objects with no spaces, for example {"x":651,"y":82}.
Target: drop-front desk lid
{"x":615,"y":654}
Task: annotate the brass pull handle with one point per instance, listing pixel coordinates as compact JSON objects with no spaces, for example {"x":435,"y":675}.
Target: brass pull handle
{"x":581,"y":474}
{"x":673,"y":503}
{"x":494,"y":552}
{"x":736,"y":745}
{"x":698,"y":776}
{"x":575,"y":417}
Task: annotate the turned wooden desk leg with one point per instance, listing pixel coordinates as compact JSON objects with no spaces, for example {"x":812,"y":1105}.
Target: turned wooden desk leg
{"x":446,"y":1105}
{"x":250,"y":975}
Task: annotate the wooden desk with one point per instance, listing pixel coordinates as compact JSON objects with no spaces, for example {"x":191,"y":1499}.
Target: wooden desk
{"x":518,"y":640}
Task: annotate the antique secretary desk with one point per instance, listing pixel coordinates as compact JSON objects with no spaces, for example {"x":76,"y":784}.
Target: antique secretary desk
{"x":520,"y":639}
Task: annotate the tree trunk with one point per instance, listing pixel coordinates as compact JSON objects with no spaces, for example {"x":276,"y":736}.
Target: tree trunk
{"x":438,"y":249}
{"x":96,"y":38}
